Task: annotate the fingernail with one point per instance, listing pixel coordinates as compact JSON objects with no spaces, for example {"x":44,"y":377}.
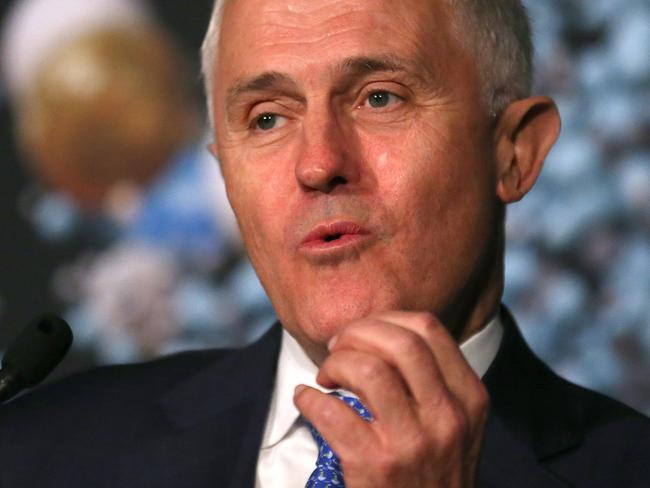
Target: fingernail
{"x":332,"y":342}
{"x":299,"y":389}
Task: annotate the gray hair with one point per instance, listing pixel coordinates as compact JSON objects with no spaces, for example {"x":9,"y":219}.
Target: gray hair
{"x":500,"y":41}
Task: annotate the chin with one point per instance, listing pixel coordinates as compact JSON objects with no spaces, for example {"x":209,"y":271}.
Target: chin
{"x":323,"y":320}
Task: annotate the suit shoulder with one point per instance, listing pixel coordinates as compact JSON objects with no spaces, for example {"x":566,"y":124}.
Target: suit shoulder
{"x":615,"y":441}
{"x":599,"y":409}
{"x":106,"y":388}
{"x":610,"y":421}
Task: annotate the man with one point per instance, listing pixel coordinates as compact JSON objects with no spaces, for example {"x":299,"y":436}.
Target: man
{"x":369,"y":148}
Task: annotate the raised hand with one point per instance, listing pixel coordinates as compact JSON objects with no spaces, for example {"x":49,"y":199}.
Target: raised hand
{"x":429,"y":407}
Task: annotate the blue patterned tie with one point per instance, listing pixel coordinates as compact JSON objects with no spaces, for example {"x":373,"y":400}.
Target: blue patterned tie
{"x":328,"y":470}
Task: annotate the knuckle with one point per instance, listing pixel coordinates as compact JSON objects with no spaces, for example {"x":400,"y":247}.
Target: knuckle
{"x":409,"y":344}
{"x":327,"y":414}
{"x":428,"y":323}
{"x":453,"y":429}
{"x":371,"y":368}
{"x":427,"y":320}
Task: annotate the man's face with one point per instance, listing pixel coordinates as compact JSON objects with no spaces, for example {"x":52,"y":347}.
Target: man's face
{"x":357,"y":156}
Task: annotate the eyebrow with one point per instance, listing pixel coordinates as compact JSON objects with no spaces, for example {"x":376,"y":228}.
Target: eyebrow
{"x":364,"y":65}
{"x":269,"y":80}
{"x":359,"y":66}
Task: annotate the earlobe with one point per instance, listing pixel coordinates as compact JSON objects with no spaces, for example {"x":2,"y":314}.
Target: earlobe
{"x":525,"y":133}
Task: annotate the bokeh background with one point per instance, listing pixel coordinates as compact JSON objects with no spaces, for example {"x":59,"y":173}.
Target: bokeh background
{"x":113,"y":213}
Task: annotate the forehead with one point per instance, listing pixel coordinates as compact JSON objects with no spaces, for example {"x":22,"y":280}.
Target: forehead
{"x":272,"y":35}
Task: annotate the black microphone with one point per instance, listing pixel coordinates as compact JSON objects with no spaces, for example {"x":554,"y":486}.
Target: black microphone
{"x":33,"y":354}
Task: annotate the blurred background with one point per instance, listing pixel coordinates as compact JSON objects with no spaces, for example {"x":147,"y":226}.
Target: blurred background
{"x":114,"y":215}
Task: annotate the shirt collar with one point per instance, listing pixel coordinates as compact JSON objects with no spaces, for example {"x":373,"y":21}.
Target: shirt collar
{"x":295,"y":367}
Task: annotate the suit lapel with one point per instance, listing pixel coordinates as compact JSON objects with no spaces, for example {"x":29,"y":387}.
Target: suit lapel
{"x":531,"y":419}
{"x":217,"y":418}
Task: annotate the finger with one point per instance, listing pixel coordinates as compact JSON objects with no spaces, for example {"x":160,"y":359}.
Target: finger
{"x":459,"y":375}
{"x":377,"y":384}
{"x":451,"y":367}
{"x":346,"y":433}
{"x":452,"y":362}
{"x":401,"y":348}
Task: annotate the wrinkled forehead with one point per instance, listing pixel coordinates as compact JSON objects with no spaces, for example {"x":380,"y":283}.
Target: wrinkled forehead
{"x":259,"y":35}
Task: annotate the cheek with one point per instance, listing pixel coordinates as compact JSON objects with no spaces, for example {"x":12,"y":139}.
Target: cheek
{"x":416,"y":173}
{"x":446,"y":168}
{"x":257,"y":182}
{"x":438,"y":189}
{"x":259,"y":191}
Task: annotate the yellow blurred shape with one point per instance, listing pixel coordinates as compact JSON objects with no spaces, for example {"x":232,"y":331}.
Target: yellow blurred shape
{"x":109,"y":107}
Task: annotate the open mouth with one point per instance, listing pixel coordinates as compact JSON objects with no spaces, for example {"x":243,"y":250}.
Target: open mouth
{"x":336,"y":234}
{"x":332,"y":237}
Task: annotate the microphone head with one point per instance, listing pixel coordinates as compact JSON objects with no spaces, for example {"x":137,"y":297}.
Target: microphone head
{"x":37,"y":350}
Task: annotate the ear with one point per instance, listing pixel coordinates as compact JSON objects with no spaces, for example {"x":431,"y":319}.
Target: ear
{"x":525,"y":133}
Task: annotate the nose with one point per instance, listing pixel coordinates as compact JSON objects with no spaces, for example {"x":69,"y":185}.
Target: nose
{"x":327,"y":159}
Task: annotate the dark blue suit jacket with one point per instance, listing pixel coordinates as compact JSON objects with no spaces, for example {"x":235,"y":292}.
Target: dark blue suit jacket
{"x":196,"y":420}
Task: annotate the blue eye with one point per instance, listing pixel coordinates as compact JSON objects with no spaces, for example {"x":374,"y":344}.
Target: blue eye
{"x":269,"y":121}
{"x":266,"y":121}
{"x":380,"y":99}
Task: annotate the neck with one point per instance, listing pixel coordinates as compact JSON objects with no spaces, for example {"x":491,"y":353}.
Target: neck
{"x":469,"y":315}
{"x":479,"y":301}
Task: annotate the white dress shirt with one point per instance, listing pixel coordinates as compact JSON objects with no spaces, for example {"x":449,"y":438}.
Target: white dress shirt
{"x":288,"y":452}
